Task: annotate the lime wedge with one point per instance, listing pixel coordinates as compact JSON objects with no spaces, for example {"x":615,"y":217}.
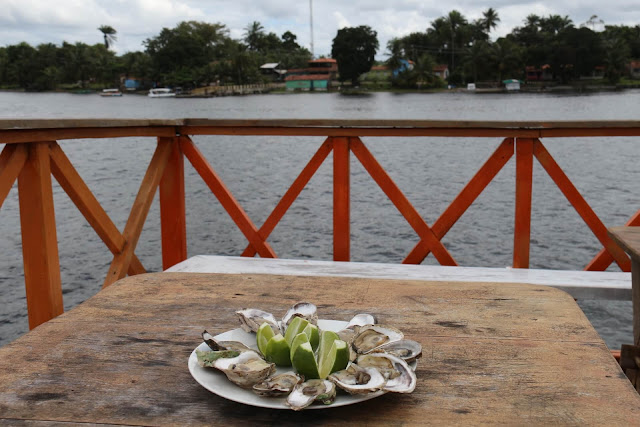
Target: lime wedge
{"x":336,"y":359}
{"x":301,"y":338}
{"x":326,"y":340}
{"x":304,"y":361}
{"x":296,"y":326}
{"x":263,"y":335}
{"x":278,"y":351}
{"x":314,"y":335}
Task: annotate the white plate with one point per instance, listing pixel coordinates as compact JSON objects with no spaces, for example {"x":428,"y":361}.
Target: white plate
{"x":217,"y":382}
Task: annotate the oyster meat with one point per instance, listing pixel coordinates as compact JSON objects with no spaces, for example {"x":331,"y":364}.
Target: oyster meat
{"x":223,"y":345}
{"x":278,"y":385}
{"x":371,"y":336}
{"x":246,"y":369}
{"x":358,"y":380}
{"x":407,"y":350}
{"x":400,"y":377}
{"x":252,"y":318}
{"x":306,"y":310}
{"x":304,"y":394}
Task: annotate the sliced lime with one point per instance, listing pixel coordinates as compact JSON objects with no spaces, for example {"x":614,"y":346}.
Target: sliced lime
{"x":314,"y":335}
{"x":304,"y":361}
{"x":278,"y":351}
{"x":336,"y":359}
{"x":326,"y":341}
{"x":301,"y":338}
{"x":263,"y":335}
{"x":296,"y":326}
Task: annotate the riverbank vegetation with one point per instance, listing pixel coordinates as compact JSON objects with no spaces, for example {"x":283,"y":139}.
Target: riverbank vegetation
{"x":544,"y":50}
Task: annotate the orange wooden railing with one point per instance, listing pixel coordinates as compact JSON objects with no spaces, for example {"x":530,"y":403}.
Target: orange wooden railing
{"x":31,"y":155}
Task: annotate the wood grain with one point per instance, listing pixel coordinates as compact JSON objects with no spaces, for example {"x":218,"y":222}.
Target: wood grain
{"x":39,"y":237}
{"x":493,"y":354}
{"x":341,"y":199}
{"x":628,"y":238}
{"x":173,"y":208}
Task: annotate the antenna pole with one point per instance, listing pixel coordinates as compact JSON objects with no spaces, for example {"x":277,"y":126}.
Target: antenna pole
{"x":311,"y":24}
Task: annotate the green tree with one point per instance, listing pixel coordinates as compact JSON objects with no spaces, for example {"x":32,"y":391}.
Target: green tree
{"x":489,"y":20}
{"x":615,"y":59}
{"x":253,"y":35}
{"x":178,"y":54}
{"x":109,"y":35}
{"x":354,"y":48}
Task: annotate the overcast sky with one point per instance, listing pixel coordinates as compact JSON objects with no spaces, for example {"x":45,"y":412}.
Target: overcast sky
{"x":54,"y":21}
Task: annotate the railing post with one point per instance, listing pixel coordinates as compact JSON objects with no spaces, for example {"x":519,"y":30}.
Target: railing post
{"x":524,"y":184}
{"x":39,"y":239}
{"x":341,"y":195}
{"x":172,"y":208}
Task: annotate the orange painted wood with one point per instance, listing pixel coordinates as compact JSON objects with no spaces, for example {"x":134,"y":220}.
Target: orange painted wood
{"x":464,"y":199}
{"x":227,"y":200}
{"x":291,"y":194}
{"x":80,"y":194}
{"x":401,"y":202}
{"x":12,"y":159}
{"x":341,"y":199}
{"x":17,"y":136}
{"x":603,"y":260}
{"x":524,"y":185}
{"x":581,"y":206}
{"x":39,"y":239}
{"x":139,"y":211}
{"x":172,"y":208}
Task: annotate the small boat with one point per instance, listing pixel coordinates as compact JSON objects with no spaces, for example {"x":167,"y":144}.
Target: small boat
{"x":111,"y":92}
{"x":161,"y":92}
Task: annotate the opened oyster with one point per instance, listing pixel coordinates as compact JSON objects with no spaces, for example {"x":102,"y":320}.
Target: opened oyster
{"x":407,"y":350}
{"x":304,"y":394}
{"x":244,"y":369}
{"x":371,"y":336}
{"x":400,"y":377}
{"x":357,"y":379}
{"x":252,"y":318}
{"x":306,"y":310}
{"x":278,"y":385}
{"x":223,"y":345}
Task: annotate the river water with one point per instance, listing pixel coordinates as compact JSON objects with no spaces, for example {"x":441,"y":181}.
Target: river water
{"x":258,"y":170}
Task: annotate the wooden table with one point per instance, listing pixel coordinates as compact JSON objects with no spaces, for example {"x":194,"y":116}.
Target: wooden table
{"x":629,"y":239}
{"x":493,"y":354}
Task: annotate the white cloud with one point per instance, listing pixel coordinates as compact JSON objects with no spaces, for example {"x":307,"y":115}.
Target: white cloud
{"x":40,"y":21}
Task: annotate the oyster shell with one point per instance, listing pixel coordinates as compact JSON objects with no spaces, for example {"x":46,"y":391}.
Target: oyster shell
{"x":400,"y":377}
{"x":278,"y":385}
{"x":358,"y":380}
{"x":304,"y":394}
{"x":223,"y":345}
{"x":306,"y":310}
{"x":361,"y":319}
{"x":252,"y":318}
{"x":207,"y":359}
{"x":407,"y":350}
{"x":246,"y":369}
{"x":371,"y":336}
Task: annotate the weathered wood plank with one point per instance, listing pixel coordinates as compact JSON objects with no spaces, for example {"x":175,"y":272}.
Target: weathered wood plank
{"x":80,"y":194}
{"x":39,"y":238}
{"x":493,"y":354}
{"x":604,"y":259}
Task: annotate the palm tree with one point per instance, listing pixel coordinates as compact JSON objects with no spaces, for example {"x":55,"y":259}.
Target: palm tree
{"x":490,"y":19}
{"x":252,"y":35}
{"x":109,"y":34}
{"x":455,"y":20}
{"x":423,"y":70}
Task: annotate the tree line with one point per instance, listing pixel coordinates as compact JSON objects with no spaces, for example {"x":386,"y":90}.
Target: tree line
{"x":568,"y":50}
{"x":190,"y":55}
{"x":198,"y":53}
